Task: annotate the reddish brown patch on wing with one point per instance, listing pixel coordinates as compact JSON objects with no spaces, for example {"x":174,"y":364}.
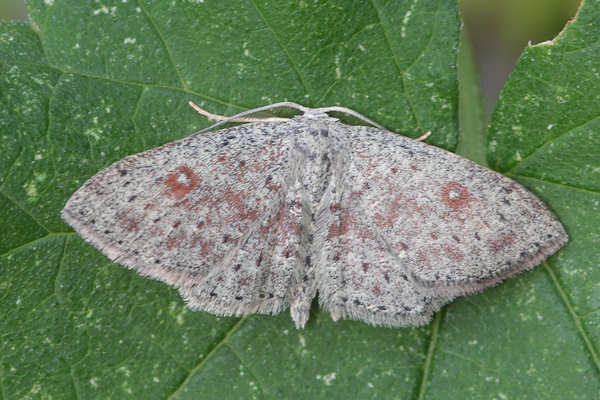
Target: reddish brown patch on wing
{"x":348,"y":221}
{"x":456,"y":196}
{"x":423,"y":258}
{"x":284,"y":222}
{"x":388,"y":220}
{"x":237,"y":206}
{"x":181,"y":182}
{"x":270,"y":185}
{"x":502,"y":243}
{"x":132,"y":224}
{"x":206,"y":248}
{"x":244,"y":281}
{"x":175,"y":241}
{"x":453,"y":253}
{"x":129,"y":221}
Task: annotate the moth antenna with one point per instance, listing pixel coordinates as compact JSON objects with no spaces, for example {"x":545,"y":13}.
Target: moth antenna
{"x":217,"y":117}
{"x":240,"y":117}
{"x":425,"y":136}
{"x":351,"y":112}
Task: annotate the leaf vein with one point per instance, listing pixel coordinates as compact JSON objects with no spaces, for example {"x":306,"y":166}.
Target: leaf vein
{"x":578,"y":325}
{"x":212,"y":352}
{"x":517,"y":176}
{"x":2,"y":388}
{"x":58,"y":269}
{"x":165,"y":351}
{"x":235,"y":353}
{"x":34,"y":241}
{"x":134,"y":115}
{"x":5,"y":178}
{"x":397,"y":63}
{"x":16,"y":203}
{"x":285,"y":50}
{"x":550,"y":140}
{"x":163,"y":43}
{"x":75,"y":389}
{"x":427,"y":366}
{"x":133,"y":83}
{"x":462,"y":356}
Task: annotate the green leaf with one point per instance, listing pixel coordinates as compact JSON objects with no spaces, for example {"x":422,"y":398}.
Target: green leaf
{"x":537,"y":336}
{"x":92,"y":82}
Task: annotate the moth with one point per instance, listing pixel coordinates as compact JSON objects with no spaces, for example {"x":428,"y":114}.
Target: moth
{"x":263,"y":216}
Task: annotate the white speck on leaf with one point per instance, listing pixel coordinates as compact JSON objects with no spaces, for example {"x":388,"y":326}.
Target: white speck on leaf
{"x":93,"y":133}
{"x":327,"y":379}
{"x":405,"y":22}
{"x":31,"y":191}
{"x":338,"y":71}
{"x":39,"y":176}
